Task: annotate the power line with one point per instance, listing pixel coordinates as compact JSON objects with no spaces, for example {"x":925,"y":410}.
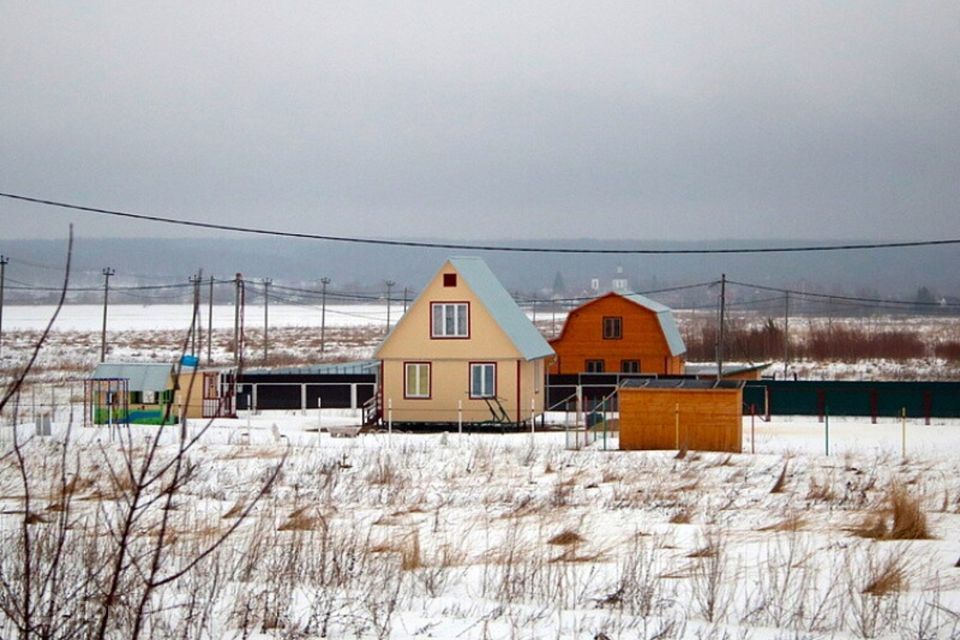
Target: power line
{"x":472,"y":247}
{"x":830,"y":297}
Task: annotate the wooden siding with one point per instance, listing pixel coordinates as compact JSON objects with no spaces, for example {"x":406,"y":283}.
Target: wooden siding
{"x":582,"y":339}
{"x":709,"y":419}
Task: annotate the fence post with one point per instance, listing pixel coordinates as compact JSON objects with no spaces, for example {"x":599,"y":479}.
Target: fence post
{"x":753,"y":429}
{"x":826,"y":429}
{"x":389,"y":419}
{"x":903,"y":432}
{"x":533,"y":415}
{"x":460,"y":419}
{"x":676,"y":425}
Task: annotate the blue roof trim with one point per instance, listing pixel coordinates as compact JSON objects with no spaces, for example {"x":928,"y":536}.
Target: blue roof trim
{"x":502,"y":307}
{"x":667,"y":322}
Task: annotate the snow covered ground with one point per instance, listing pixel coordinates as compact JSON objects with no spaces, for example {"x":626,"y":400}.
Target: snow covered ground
{"x":514,"y":536}
{"x":475,"y":536}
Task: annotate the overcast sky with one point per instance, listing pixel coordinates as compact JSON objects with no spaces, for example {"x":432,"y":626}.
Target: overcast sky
{"x":468,"y":120}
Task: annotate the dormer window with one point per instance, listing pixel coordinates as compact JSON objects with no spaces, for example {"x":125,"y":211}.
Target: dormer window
{"x":450,"y":320}
{"x":612,"y":327}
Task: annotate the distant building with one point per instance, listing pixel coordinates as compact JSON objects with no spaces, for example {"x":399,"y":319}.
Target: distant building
{"x":619,"y":333}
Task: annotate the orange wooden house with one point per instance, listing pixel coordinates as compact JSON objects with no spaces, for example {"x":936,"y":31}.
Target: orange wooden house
{"x":619,"y":333}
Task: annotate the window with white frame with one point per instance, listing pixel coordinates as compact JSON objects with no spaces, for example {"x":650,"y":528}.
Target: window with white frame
{"x":417,"y":380}
{"x":483,"y":380}
{"x":450,"y":320}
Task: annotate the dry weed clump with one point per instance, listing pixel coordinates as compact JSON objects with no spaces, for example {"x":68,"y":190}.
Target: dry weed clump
{"x":566,"y":537}
{"x":907,"y":521}
{"x":781,"y":482}
{"x":887,"y":577}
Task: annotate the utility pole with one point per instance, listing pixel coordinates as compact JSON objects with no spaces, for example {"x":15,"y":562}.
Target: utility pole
{"x":195,"y":340}
{"x":238,"y":321}
{"x":107,"y":272}
{"x":390,"y":284}
{"x":266,"y":319}
{"x":210,"y":323}
{"x":405,"y":294}
{"x":3,"y":274}
{"x":323,"y":314}
{"x":786,"y":333}
{"x":723,"y":312}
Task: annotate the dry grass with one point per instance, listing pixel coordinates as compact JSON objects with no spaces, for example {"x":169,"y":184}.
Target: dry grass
{"x":781,"y":482}
{"x":909,"y":520}
{"x":684,"y":515}
{"x":566,"y":537}
{"x":888,"y":577}
{"x":792,"y":523}
{"x":303,"y":519}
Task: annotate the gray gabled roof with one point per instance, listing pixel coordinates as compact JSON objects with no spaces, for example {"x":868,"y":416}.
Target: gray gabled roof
{"x":501,"y":306}
{"x":667,"y":323}
{"x":140,"y":376}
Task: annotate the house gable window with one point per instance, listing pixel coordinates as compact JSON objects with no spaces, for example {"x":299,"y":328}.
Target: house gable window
{"x":612,"y":327}
{"x":594,"y":366}
{"x":449,"y":319}
{"x":449,"y":279}
{"x":630,"y":366}
{"x":483,"y":380}
{"x":416,"y":378}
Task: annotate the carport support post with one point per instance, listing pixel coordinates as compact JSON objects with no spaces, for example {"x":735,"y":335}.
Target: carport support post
{"x":753,"y":429}
{"x":303,"y":397}
{"x":576,"y":427}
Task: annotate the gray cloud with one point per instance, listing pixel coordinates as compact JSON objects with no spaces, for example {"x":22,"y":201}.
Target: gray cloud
{"x":646,"y":120}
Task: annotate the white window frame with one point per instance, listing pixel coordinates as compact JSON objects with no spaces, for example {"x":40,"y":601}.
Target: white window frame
{"x":450,"y":320}
{"x":416,"y":394}
{"x":483,"y":367}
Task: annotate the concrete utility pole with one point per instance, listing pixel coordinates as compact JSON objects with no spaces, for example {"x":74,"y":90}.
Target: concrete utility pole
{"x":323,"y":314}
{"x":107,"y":272}
{"x":238,"y":321}
{"x":196,"y":339}
{"x":210,"y":323}
{"x":266,"y":319}
{"x":3,"y":274}
{"x":390,"y":284}
{"x":723,"y":313}
{"x":786,"y":333}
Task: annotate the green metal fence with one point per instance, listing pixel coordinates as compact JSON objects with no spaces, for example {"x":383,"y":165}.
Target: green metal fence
{"x":873,"y":399}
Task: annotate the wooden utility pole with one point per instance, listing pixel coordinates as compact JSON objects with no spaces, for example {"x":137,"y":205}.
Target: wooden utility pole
{"x":723,"y":312}
{"x":3,"y":274}
{"x":266,"y":319}
{"x":323,"y":314}
{"x":107,"y":272}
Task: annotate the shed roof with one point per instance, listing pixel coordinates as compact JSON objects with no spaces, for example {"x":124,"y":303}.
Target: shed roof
{"x":140,"y":376}
{"x":502,"y":307}
{"x":680,"y":383}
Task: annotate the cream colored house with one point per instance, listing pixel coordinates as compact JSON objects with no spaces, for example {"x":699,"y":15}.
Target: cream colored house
{"x":463,"y":345}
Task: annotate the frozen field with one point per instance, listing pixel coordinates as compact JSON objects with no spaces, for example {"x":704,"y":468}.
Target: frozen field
{"x":491,"y":536}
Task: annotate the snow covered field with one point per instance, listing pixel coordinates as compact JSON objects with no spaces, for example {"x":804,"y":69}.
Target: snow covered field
{"x":447,"y":536}
{"x":491,"y":536}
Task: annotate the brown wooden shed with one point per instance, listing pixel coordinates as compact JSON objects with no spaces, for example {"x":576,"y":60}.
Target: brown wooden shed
{"x":690,"y":414}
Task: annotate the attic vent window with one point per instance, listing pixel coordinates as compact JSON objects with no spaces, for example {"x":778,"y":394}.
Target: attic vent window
{"x":449,"y":279}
